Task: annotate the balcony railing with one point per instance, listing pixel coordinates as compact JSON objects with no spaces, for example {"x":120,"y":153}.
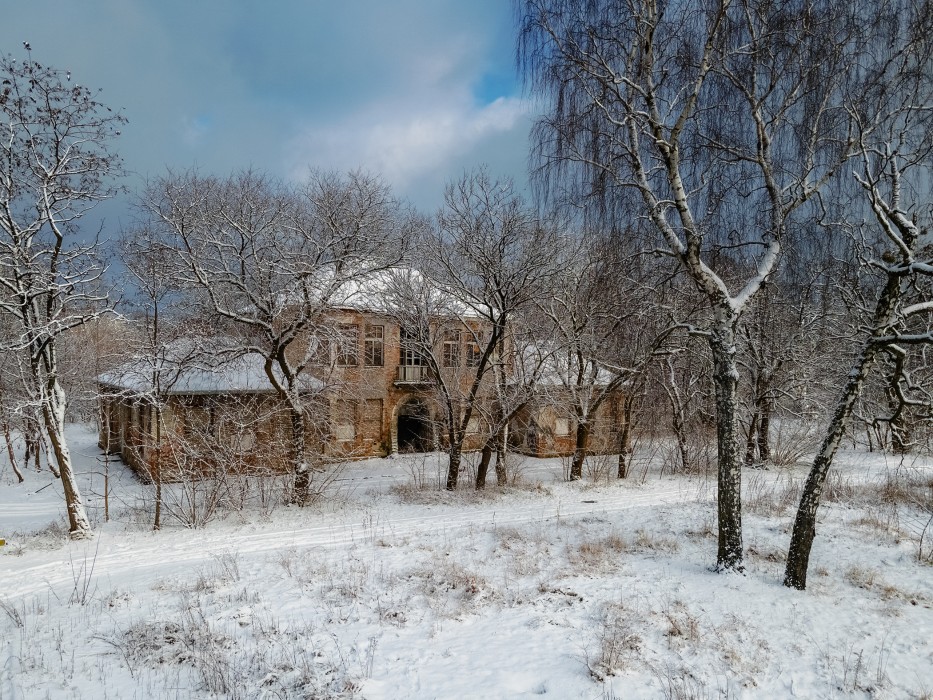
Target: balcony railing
{"x":413,"y":374}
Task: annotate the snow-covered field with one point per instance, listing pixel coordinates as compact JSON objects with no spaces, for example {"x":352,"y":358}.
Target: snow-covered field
{"x":389,"y":588}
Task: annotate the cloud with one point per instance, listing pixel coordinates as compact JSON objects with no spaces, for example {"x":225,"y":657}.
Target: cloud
{"x":416,"y":91}
{"x":403,"y":144}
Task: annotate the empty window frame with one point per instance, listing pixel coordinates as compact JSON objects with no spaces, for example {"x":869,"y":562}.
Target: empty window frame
{"x":452,"y":348}
{"x":409,"y":351}
{"x":474,"y":353}
{"x":374,"y":347}
{"x":349,"y":345}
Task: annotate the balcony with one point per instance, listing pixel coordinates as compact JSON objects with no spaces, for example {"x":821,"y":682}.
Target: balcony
{"x":413,"y":374}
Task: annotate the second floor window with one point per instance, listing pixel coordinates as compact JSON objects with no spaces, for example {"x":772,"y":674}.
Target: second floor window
{"x":409,"y":350}
{"x":373,"y":352}
{"x":348,"y":349}
{"x":452,"y":348}
{"x":474,"y":353}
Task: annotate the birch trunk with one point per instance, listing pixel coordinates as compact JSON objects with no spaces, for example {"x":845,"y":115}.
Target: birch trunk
{"x":9,"y":449}
{"x":801,"y":542}
{"x":502,"y":477}
{"x":453,"y":467}
{"x":53,"y":413}
{"x":725,"y":379}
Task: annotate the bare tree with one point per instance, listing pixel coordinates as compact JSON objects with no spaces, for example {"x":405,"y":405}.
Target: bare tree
{"x":161,"y":349}
{"x":489,"y":257}
{"x":893,"y":172}
{"x":716,"y":123}
{"x":57,"y":163}
{"x":603,"y":333}
{"x":519,"y":366}
{"x":267,"y":259}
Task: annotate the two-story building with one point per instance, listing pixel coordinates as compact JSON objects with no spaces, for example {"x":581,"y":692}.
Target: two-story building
{"x":373,"y":390}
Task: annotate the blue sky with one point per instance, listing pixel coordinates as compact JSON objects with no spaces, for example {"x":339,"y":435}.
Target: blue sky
{"x":418,"y":91}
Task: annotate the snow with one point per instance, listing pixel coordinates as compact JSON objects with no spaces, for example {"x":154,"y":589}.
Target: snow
{"x":387,"y":590}
{"x":240,"y":374}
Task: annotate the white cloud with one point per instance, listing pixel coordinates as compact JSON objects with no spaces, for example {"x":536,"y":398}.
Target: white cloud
{"x":403,"y":144}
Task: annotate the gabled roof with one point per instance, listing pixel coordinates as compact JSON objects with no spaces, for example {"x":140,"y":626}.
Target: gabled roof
{"x":374,"y":293}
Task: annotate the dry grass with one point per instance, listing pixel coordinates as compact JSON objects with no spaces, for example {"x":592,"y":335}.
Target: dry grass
{"x":617,"y":641}
{"x":861,"y":577}
{"x":839,"y":488}
{"x":770,"y":498}
{"x":650,"y":542}
{"x":683,"y":627}
{"x":597,"y":556}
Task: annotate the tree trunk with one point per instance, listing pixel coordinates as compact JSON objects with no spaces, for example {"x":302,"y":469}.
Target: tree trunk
{"x":579,"y":452}
{"x":157,"y":520}
{"x":764,"y":430}
{"x":898,"y":424}
{"x":502,"y":477}
{"x":483,"y":465}
{"x":751,"y":442}
{"x":10,"y":452}
{"x":801,"y":541}
{"x":453,"y":467}
{"x":302,"y":481}
{"x":53,"y":412}
{"x":725,"y":378}
{"x":625,"y":446}
{"x":680,"y":432}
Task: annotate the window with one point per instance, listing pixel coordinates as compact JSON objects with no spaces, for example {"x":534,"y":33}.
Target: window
{"x":451,"y":348}
{"x":409,"y":354}
{"x":562,"y":427}
{"x":373,"y":355}
{"x":474,"y":353}
{"x":321,"y":350}
{"x":348,"y":350}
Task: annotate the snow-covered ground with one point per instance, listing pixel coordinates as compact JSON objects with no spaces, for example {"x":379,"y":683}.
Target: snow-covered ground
{"x":389,"y":588}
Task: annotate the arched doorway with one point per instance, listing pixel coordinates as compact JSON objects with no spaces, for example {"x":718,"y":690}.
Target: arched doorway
{"x":413,"y":430}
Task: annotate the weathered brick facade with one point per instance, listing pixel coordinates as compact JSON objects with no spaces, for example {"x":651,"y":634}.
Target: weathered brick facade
{"x":372,"y":389}
{"x":376,"y":397}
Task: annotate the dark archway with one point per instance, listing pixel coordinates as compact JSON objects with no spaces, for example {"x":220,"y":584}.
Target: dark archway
{"x":414,"y":427}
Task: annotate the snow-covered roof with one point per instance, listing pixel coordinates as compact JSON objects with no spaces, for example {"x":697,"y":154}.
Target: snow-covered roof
{"x":188,"y":376}
{"x":381,"y":292}
{"x":556,"y":369}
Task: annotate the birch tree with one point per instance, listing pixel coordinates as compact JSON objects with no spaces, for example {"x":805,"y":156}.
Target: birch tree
{"x":56,"y":164}
{"x":893,"y":173}
{"x":686,"y":117}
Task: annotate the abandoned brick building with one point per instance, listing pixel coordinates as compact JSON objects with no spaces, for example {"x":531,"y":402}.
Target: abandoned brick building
{"x":373,"y":394}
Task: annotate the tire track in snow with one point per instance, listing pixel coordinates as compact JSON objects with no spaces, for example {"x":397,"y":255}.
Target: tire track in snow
{"x":166,"y":554}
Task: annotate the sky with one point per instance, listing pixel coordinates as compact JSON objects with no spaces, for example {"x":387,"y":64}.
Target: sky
{"x":416,"y":90}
